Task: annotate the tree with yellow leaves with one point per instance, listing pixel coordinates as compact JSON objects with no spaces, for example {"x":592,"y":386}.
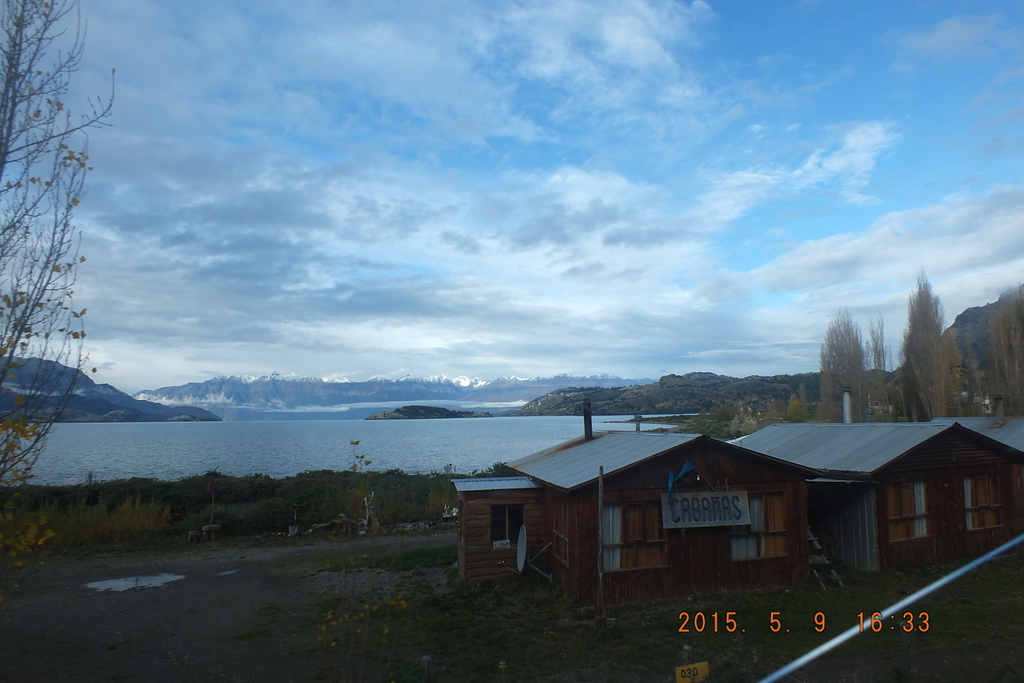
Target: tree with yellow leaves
{"x":43,"y":165}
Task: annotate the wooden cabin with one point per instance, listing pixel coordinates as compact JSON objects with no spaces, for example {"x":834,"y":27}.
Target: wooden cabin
{"x":897,"y":495}
{"x":672,"y":514}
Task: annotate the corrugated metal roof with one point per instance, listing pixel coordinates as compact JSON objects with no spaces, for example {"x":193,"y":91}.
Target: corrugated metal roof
{"x":495,"y":484}
{"x":843,"y":447}
{"x":1010,"y":433}
{"x":574,"y":463}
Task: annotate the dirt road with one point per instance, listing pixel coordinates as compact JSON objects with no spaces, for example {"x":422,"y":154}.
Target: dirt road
{"x":236,"y":614}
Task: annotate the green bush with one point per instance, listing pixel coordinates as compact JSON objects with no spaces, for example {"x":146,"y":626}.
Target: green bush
{"x":253,"y":504}
{"x":270,"y":515}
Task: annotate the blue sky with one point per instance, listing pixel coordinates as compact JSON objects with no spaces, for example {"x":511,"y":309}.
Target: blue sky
{"x":496,"y":188}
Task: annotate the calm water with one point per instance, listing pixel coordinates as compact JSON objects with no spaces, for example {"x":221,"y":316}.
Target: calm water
{"x":171,"y":450}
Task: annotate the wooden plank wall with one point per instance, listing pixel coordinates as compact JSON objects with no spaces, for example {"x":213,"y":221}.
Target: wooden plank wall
{"x":1017,"y":488}
{"x":478,"y":561}
{"x":948,"y":538}
{"x":945,"y":451}
{"x":699,"y":560}
{"x":562,"y":572}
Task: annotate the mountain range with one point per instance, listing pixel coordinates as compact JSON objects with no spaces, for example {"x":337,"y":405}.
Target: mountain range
{"x":289,"y":397}
{"x":91,"y":402}
{"x":256,"y":397}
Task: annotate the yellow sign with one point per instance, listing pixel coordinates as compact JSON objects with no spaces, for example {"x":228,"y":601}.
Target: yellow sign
{"x":692,"y":673}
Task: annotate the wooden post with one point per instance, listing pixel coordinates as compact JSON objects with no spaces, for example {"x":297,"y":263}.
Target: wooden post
{"x":427,"y":668}
{"x":600,"y":619}
{"x":909,"y":657}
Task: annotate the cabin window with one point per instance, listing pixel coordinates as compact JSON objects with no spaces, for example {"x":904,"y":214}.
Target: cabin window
{"x":907,"y":510}
{"x":505,"y":523}
{"x":981,"y":498}
{"x":560,"y":529}
{"x":633,"y":537}
{"x":766,"y":534}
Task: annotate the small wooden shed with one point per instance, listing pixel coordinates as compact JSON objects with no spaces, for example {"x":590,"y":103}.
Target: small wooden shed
{"x":673,"y":514}
{"x":491,"y":511}
{"x":897,"y":495}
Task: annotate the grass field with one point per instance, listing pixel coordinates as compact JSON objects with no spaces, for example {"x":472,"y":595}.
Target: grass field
{"x":528,"y":630}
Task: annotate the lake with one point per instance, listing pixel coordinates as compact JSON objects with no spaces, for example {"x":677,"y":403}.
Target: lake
{"x":172,"y":450}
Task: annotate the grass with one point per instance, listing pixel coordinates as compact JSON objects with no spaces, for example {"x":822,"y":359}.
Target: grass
{"x":266,"y":623}
{"x":254,"y":632}
{"x":409,"y":560}
{"x":976,"y":625}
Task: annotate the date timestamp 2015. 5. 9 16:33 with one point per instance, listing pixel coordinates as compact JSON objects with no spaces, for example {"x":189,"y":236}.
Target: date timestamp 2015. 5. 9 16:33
{"x":728,"y":622}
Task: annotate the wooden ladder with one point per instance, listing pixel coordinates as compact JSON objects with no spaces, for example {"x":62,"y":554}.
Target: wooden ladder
{"x":820,"y":563}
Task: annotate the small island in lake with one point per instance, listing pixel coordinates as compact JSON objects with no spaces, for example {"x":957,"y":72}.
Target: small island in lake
{"x":424,"y":413}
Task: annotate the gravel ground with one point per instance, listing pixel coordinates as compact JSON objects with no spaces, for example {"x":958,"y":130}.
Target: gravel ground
{"x":238,"y":614}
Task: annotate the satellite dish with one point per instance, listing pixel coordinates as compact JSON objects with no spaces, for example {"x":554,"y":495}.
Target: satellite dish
{"x":521,"y":549}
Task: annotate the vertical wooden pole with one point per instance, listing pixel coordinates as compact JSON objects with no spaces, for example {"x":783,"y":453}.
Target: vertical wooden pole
{"x":600,"y":620}
{"x":909,"y":656}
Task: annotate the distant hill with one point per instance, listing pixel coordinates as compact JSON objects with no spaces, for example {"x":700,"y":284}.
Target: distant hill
{"x":693,"y":392}
{"x":972,"y":329}
{"x":241,"y":395}
{"x":94,"y":402}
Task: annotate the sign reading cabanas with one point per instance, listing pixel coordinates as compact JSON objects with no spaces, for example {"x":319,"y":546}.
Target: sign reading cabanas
{"x":710,"y":508}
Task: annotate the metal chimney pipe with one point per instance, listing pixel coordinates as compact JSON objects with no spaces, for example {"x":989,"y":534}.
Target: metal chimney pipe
{"x":588,"y":422}
{"x":847,"y":405}
{"x":636,"y":418}
{"x":999,"y":408}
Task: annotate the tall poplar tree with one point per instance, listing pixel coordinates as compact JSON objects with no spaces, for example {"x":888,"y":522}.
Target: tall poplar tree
{"x":877,"y":353}
{"x":1006,"y":352}
{"x":842,"y":365}
{"x":924,"y":367}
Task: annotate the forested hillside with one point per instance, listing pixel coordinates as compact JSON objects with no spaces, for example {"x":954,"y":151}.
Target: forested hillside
{"x":693,"y":392}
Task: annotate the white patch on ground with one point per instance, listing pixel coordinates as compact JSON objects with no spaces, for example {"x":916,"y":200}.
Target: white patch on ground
{"x":133,"y":582}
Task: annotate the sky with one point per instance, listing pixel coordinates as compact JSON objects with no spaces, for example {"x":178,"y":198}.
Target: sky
{"x":632,"y":187}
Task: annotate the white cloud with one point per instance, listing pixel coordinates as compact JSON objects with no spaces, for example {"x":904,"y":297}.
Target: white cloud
{"x":975,"y":241}
{"x":610,"y":56}
{"x":854,"y":161}
{"x":959,"y":37}
{"x":733,"y":194}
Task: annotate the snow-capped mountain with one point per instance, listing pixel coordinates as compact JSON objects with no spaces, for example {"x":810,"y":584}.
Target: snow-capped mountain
{"x":279,"y":392}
